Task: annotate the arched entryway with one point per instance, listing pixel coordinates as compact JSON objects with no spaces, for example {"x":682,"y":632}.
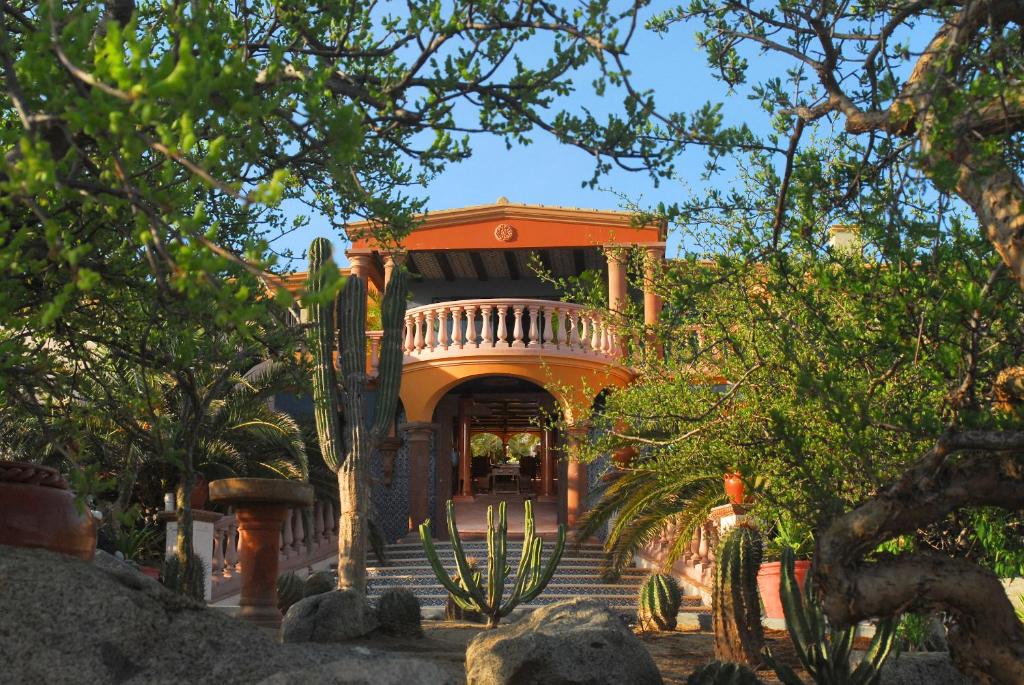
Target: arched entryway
{"x":495,"y":442}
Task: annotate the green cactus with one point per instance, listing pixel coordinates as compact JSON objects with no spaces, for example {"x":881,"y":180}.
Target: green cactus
{"x":398,"y":612}
{"x":467,"y":588}
{"x":346,"y":437}
{"x":190,"y":581}
{"x":289,"y":591}
{"x":823,"y":651}
{"x":452,"y":610}
{"x":318,"y":583}
{"x":735,"y":604}
{"x":659,"y":602}
{"x":719,"y":673}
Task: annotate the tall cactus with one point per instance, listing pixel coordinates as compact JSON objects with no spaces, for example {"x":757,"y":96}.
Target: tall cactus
{"x":735,"y":604}
{"x":467,"y":588}
{"x":346,"y":437}
{"x":659,"y":602}
{"x":823,"y":651}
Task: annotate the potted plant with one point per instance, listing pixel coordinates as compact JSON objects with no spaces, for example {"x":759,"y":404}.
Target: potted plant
{"x":38,"y":510}
{"x":789,"y":534}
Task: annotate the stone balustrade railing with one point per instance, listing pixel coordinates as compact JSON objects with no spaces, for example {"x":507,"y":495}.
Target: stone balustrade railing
{"x":695,"y":567}
{"x":468,"y":326}
{"x":307,"y":537}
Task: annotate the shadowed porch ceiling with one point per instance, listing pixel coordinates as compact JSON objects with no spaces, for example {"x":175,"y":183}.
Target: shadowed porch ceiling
{"x":481,"y":265}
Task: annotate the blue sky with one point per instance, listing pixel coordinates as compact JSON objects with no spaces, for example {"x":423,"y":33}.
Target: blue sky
{"x":549,"y":173}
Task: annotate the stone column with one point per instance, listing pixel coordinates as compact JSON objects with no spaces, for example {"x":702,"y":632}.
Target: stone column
{"x":547,"y":469}
{"x":576,"y":480}
{"x":616,"y":256}
{"x":417,"y":436}
{"x":652,"y":301}
{"x":443,"y":465}
{"x":360,"y":265}
{"x":465,"y":452}
{"x":392,"y":261}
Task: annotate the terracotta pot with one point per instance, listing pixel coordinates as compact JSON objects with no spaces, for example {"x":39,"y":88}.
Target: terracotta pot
{"x":151,"y":571}
{"x":769,"y":580}
{"x":624,"y":456}
{"x":38,"y":510}
{"x":734,"y":487}
{"x":200,"y":492}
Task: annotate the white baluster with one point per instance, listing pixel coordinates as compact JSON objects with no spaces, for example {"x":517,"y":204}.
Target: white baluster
{"x":548,"y":340}
{"x":502,"y":330}
{"x":574,"y":332}
{"x":299,"y":532}
{"x":457,"y":327}
{"x":429,"y":339}
{"x":585,"y":323}
{"x":472,"y":339}
{"x":442,"y":328}
{"x":231,"y":548}
{"x":419,"y":332}
{"x":534,"y":326}
{"x":318,"y":523}
{"x":485,"y":328}
{"x":563,"y":328}
{"x":410,"y":341}
{"x":517,"y":327}
{"x":595,"y":334}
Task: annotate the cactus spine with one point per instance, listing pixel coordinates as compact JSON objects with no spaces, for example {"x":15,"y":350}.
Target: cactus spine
{"x":659,"y":602}
{"x":347,"y":443}
{"x":823,"y":652}
{"x":467,"y":588}
{"x":718,"y":673}
{"x":398,"y":612}
{"x":735,"y":605}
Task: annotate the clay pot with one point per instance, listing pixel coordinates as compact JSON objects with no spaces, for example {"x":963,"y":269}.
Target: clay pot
{"x":734,"y":487}
{"x":624,"y":457}
{"x":200,"y":492}
{"x":769,"y":580}
{"x":38,"y":510}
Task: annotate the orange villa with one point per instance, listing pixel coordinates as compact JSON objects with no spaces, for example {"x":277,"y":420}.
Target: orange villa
{"x":489,"y":348}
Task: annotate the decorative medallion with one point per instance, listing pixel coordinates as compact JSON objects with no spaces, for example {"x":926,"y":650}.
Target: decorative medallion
{"x":506,"y":233}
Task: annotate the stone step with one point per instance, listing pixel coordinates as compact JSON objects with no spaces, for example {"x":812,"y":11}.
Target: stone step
{"x":466,"y":544}
{"x":689,"y":605}
{"x":566,"y":585}
{"x":581,"y":573}
{"x":593,"y":557}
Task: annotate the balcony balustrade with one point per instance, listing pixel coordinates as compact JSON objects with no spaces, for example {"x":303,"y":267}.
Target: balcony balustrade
{"x":466,"y":327}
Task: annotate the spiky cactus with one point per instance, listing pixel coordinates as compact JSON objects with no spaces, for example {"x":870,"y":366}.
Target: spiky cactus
{"x":735,"y":604}
{"x":719,"y":673}
{"x":467,"y":588}
{"x":659,"y":602}
{"x":824,"y":652}
{"x":289,"y":591}
{"x":452,"y":610}
{"x":398,"y":612}
{"x":318,"y":583}
{"x":346,"y":437}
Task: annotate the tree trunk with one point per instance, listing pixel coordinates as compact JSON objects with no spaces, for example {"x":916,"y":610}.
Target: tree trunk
{"x":353,"y":494}
{"x":986,"y":640}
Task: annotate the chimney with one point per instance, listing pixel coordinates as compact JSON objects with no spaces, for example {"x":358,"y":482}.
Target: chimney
{"x":844,"y":238}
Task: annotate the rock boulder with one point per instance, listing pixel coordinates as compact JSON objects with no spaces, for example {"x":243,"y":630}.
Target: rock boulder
{"x":65,"y":621}
{"x":922,"y":668}
{"x":334,"y":616}
{"x":575,"y":642}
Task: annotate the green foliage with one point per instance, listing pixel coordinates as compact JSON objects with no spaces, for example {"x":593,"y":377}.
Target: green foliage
{"x":823,"y":651}
{"x":469,"y":590}
{"x":289,"y":591}
{"x":398,"y":612}
{"x":719,"y":673}
{"x":659,"y":602}
{"x":188,"y":578}
{"x":912,"y":632}
{"x":735,"y":603}
{"x":789,"y":533}
{"x":136,"y":543}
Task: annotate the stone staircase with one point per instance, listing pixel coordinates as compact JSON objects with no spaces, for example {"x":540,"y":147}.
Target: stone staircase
{"x":578,"y":574}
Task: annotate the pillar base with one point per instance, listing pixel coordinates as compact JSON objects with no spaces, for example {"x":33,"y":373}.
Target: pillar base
{"x":464,"y":498}
{"x":547,"y":498}
{"x":263,"y":616}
